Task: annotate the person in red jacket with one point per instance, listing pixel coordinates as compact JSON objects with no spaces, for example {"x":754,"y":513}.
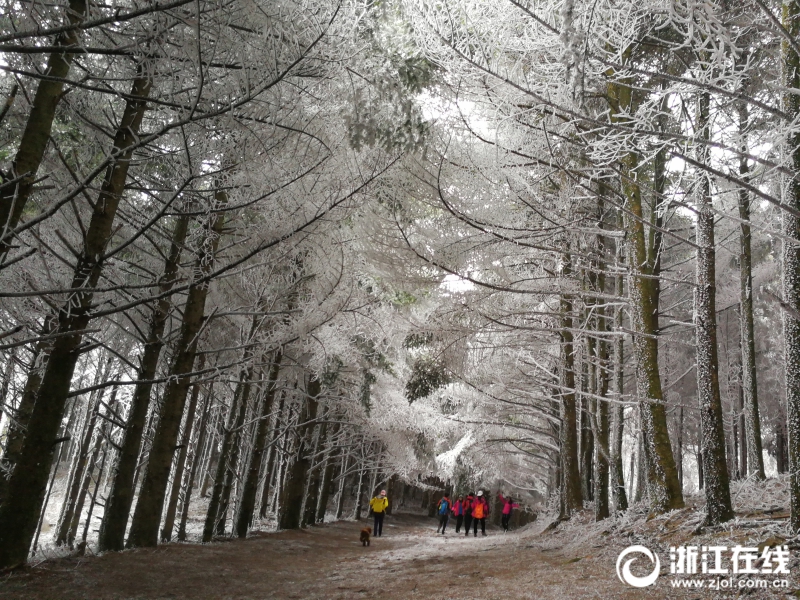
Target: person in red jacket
{"x":458,"y":512}
{"x":480,"y":510}
{"x":508,"y":506}
{"x":467,"y":507}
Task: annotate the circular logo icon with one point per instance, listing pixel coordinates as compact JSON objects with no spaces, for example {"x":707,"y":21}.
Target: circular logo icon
{"x":625,"y":575}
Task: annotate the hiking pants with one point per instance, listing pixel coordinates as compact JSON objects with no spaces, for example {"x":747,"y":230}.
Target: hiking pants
{"x":459,"y":522}
{"x":505,"y":520}
{"x":467,"y":523}
{"x":443,"y":522}
{"x":483,"y":526}
{"x":377,"y":529}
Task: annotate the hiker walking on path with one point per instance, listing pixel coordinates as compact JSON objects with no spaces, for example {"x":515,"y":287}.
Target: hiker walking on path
{"x":458,"y":512}
{"x":467,"y":507}
{"x":480,"y":510}
{"x":443,"y":510}
{"x":378,"y":506}
{"x":508,"y":507}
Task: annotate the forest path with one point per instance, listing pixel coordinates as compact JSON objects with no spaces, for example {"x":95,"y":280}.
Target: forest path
{"x":409,"y":561}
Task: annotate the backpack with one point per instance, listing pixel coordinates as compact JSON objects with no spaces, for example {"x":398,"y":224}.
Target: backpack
{"x":444,"y":506}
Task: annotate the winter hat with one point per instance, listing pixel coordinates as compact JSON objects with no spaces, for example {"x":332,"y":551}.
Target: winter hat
{"x":480,"y":493}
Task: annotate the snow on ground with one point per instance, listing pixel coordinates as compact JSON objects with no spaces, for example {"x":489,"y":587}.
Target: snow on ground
{"x":544,"y":560}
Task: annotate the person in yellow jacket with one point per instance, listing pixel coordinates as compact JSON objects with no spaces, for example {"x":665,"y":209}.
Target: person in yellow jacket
{"x":378,"y":506}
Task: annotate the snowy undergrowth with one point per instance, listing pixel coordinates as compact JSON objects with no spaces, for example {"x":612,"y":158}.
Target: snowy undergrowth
{"x":762,"y":510}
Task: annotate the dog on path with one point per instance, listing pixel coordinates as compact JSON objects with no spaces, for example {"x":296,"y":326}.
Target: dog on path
{"x":365,"y":533}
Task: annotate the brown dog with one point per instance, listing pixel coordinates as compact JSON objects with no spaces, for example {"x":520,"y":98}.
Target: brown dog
{"x":365,"y":533}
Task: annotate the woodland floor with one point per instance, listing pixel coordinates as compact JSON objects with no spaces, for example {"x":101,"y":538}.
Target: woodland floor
{"x":576,"y":560}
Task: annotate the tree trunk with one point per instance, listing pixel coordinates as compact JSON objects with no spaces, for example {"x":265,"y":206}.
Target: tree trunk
{"x":76,"y":481}
{"x":617,"y":474}
{"x":309,"y":510}
{"x":36,"y":136}
{"x":147,"y":516}
{"x":641,"y":465}
{"x":229,"y":461}
{"x":19,"y":512}
{"x":213,"y":453}
{"x":780,"y":450}
{"x":93,"y":500}
{"x":81,"y":456}
{"x":194,"y":462}
{"x":718,"y":497}
{"x":120,"y":498}
{"x":644,"y":297}
{"x":99,"y":445}
{"x":755,"y":458}
{"x":327,"y":476}
{"x":272,"y":459}
{"x":358,"y":507}
{"x":294,"y":486}
{"x":19,"y":426}
{"x":601,"y":475}
{"x":791,"y":257}
{"x":8,"y":375}
{"x":743,"y":464}
{"x":679,"y":445}
{"x":571,"y":497}
{"x":342,"y":481}
{"x":177,"y":479}
{"x":586,"y":452}
{"x":247,"y":506}
{"x":217,"y":507}
{"x":701,"y":483}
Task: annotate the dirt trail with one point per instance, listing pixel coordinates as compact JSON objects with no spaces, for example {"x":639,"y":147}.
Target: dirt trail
{"x":409,"y":561}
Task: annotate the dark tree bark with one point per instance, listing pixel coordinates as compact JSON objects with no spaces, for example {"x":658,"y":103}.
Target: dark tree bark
{"x":35,"y":137}
{"x":17,"y":429}
{"x":293,"y":488}
{"x":217,"y":432}
{"x":147,"y":516}
{"x":314,"y":480}
{"x":78,"y":480}
{"x":247,"y":506}
{"x":217,"y":507}
{"x":781,"y":452}
{"x":342,"y":484}
{"x":195,"y":462}
{"x":571,"y":497}
{"x":272,"y":460}
{"x":19,"y":513}
{"x":643,"y":290}
{"x":81,"y":457}
{"x":587,"y":438}
{"x":617,"y":477}
{"x":601,"y":475}
{"x":752,"y":418}
{"x":231,"y":464}
{"x":791,"y":258}
{"x":100,"y":444}
{"x":120,"y":498}
{"x":327,"y":476}
{"x":177,"y":479}
{"x":718,"y":497}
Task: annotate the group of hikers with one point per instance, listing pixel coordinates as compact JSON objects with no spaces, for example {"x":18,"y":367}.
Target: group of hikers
{"x":471,"y":512}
